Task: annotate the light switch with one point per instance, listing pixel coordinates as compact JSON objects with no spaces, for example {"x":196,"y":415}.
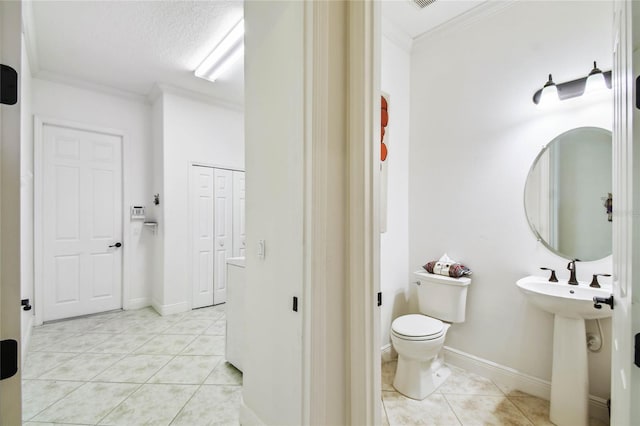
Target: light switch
{"x":261,"y":249}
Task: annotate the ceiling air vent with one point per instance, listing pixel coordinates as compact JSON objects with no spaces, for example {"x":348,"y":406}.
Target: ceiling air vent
{"x":422,"y":3}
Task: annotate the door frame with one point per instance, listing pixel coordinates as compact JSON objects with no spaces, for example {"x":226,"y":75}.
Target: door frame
{"x":38,"y":204}
{"x":190,"y":242}
{"x":10,"y":141}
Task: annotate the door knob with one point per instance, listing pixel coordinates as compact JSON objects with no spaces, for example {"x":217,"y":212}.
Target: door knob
{"x":116,"y":245}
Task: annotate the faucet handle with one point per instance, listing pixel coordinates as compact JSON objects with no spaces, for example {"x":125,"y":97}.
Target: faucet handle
{"x":553,"y":277}
{"x":594,"y":281}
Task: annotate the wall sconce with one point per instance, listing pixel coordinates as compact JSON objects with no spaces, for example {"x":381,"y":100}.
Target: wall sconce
{"x":595,"y":81}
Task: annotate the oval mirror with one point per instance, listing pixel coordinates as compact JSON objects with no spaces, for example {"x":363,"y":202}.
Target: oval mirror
{"x":567,"y":191}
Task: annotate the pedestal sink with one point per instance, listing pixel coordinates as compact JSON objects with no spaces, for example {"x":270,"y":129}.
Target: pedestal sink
{"x":571,"y":305}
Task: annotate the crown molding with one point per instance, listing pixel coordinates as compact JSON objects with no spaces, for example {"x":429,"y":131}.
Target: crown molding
{"x":467,"y":19}
{"x":160,"y":88}
{"x":396,"y":35}
{"x":29,"y":33}
{"x":55,"y":77}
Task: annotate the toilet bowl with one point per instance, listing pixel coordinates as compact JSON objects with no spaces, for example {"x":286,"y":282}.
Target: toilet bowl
{"x":418,"y":340}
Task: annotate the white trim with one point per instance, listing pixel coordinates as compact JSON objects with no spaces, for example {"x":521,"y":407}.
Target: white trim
{"x":247,"y":416}
{"x":468,"y":18}
{"x":29,"y":31}
{"x":196,"y":96}
{"x":26,"y":335}
{"x":174,"y":308}
{"x":55,"y":77}
{"x":316,"y":117}
{"x":363,"y":249}
{"x":396,"y":35}
{"x":510,"y":379}
{"x":138,"y":303}
{"x":214,"y":166}
{"x":38,"y":172}
{"x":388,"y":353}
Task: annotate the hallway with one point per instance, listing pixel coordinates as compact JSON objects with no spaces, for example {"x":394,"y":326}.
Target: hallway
{"x":131,"y":367}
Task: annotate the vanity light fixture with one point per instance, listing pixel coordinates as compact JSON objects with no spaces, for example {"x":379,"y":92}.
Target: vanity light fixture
{"x":595,"y":80}
{"x":548,"y":93}
{"x":574,"y":88}
{"x":225,"y":54}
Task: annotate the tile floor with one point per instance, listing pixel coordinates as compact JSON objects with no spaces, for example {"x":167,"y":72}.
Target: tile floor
{"x":131,"y":368}
{"x":138,"y":368}
{"x":464,"y":399}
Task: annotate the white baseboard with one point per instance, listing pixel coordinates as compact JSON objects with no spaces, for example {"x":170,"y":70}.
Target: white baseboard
{"x":387,"y":353}
{"x":139,"y":303}
{"x":510,"y":379}
{"x":175,"y":308}
{"x":247,"y":416}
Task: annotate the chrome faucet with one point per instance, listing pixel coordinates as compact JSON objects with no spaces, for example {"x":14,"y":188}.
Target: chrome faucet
{"x":572,"y":267}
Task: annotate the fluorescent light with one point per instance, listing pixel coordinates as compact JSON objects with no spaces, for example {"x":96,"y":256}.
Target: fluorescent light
{"x":225,"y":54}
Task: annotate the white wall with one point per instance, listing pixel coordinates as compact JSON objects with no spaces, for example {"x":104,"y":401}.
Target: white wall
{"x":474,"y":135}
{"x":156,"y":264}
{"x":192,"y":132}
{"x":394,"y":244}
{"x":93,"y":108}
{"x":274,"y":211}
{"x":26,"y":195}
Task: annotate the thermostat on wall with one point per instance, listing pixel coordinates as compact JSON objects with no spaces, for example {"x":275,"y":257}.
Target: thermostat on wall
{"x":137,"y":212}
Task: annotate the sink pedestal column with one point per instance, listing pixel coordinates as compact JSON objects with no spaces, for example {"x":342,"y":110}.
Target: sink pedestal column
{"x":570,"y":375}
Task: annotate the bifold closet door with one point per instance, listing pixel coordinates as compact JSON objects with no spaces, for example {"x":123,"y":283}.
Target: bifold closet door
{"x":203,"y":238}
{"x":223,"y":225}
{"x":238,"y":214}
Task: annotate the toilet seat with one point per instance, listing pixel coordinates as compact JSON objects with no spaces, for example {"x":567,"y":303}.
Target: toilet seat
{"x":417,"y":327}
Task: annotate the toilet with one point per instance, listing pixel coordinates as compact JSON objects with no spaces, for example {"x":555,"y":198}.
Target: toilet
{"x":418,"y":338}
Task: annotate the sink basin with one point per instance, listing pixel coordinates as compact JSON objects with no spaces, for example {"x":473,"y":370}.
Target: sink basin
{"x":569,"y":301}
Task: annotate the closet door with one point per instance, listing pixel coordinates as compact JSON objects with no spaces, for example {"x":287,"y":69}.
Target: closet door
{"x":238,"y":214}
{"x":223,"y":236}
{"x":202,"y":235}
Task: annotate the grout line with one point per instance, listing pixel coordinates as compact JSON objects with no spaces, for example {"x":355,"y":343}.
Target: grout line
{"x":452,"y":409}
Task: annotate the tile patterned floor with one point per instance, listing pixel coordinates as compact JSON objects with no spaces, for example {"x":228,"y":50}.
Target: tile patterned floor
{"x":138,"y":368}
{"x":464,"y":399}
{"x":131,"y":368}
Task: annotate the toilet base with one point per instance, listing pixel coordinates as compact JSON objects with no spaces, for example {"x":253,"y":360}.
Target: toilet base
{"x":418,"y":379}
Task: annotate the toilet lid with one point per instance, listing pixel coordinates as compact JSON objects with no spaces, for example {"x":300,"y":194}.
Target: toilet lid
{"x":416,"y":325}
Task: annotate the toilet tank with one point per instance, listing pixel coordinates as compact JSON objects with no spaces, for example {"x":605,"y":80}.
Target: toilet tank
{"x":442,"y":297}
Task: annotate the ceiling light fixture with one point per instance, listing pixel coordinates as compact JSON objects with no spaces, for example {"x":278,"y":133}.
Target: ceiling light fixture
{"x":573,"y":88}
{"x":225,"y":54}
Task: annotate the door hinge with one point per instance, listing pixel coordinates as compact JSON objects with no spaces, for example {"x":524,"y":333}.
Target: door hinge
{"x":379,"y":298}
{"x":295,"y":304}
{"x":8,"y":358}
{"x":8,"y":85}
{"x":636,"y":360}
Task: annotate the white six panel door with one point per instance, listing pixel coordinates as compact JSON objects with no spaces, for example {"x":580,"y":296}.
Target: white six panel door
{"x":223,"y":220}
{"x":238,"y":214}
{"x":82,"y":217}
{"x":202,"y":231}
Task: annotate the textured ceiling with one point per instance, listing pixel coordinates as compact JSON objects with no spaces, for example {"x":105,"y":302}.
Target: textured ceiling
{"x":130,"y":45}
